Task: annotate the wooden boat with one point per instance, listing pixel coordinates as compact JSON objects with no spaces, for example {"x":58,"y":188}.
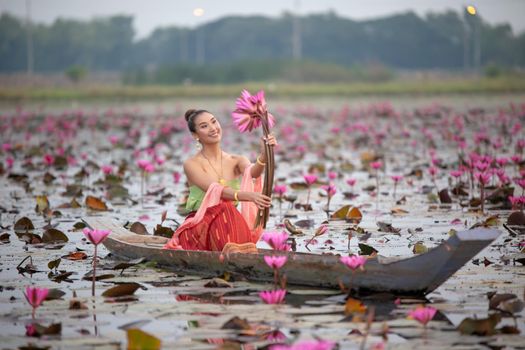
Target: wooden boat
{"x":416,"y":275}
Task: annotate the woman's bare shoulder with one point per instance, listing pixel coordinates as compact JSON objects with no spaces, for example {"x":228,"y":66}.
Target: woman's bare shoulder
{"x":191,"y":161}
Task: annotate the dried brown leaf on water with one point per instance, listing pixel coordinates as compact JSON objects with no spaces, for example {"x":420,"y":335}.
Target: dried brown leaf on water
{"x":163,"y":231}
{"x":444,"y":197}
{"x":95,"y":204}
{"x":386,"y":227}
{"x":24,"y":224}
{"x":306,"y":223}
{"x":75,"y":256}
{"x":348,"y":213}
{"x":291,"y":228}
{"x":60,"y":276}
{"x":126,"y":264}
{"x":398,"y":211}
{"x":419,"y":248}
{"x":237,"y":323}
{"x":55,"y":294}
{"x":483,"y":326}
{"x":40,"y":330}
{"x":53,"y":264}
{"x":4,"y":238}
{"x":53,"y":235}
{"x":354,"y":306}
{"x":119,"y":290}
{"x":140,"y":340}
{"x":505,"y":302}
{"x":139,"y":228}
{"x":218,"y":283}
{"x":488,"y":222}
{"x":516,"y":218}
{"x":365,"y":249}
{"x":48,"y":178}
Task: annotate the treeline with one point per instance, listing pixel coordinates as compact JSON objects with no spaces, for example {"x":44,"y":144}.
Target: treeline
{"x":255,"y":47}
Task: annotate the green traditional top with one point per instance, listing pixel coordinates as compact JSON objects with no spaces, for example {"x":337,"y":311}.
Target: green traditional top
{"x":196,"y":195}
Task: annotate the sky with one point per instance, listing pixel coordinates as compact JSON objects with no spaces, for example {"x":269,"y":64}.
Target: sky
{"x":151,"y":14}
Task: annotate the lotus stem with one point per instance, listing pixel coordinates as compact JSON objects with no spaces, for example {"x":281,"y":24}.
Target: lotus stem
{"x":94,"y":271}
{"x":269,"y":169}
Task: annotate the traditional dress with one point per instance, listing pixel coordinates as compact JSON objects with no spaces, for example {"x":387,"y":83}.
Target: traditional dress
{"x":214,"y":221}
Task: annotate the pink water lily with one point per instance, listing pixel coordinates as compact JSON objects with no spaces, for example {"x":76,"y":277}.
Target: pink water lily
{"x":279,"y":189}
{"x":376,"y":165}
{"x":96,"y":236}
{"x":310,"y":179}
{"x":107,"y":169}
{"x":276,"y":240}
{"x":423,"y":314}
{"x":396,"y":178}
{"x":275,"y":262}
{"x":354,"y":262}
{"x":329,"y":189}
{"x":35,"y":296}
{"x":273,"y":296}
{"x":249,"y":110}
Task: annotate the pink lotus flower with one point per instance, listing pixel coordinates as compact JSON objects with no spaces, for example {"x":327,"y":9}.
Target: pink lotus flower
{"x":520,"y":182}
{"x":143,"y":163}
{"x":456,"y":173}
{"x":432,"y":171}
{"x":376,"y":165}
{"x":176,"y":177}
{"x":113,"y":139}
{"x":483,"y":178}
{"x":330,"y":190}
{"x":275,"y":262}
{"x":273,"y":296}
{"x":332,"y":175}
{"x":310,"y":179}
{"x":275,"y":336}
{"x":276,"y":240}
{"x":351,"y":182}
{"x":423,"y":314}
{"x":481,"y":166}
{"x":107,"y":169}
{"x":6,"y":146}
{"x":35,"y":296}
{"x":49,"y":159}
{"x":96,"y":236}
{"x":502,"y":161}
{"x":9,"y":161}
{"x":249,"y":110}
{"x":31,"y":330}
{"x":307,"y":345}
{"x":354,"y":262}
{"x":396,"y":178}
{"x":279,"y":189}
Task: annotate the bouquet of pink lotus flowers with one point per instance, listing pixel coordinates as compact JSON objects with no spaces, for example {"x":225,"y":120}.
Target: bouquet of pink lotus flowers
{"x":250,"y":113}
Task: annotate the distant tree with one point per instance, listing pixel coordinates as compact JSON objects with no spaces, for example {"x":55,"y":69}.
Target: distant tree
{"x":76,"y":73}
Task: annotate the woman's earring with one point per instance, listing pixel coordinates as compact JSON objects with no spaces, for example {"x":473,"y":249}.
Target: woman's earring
{"x":198,"y":145}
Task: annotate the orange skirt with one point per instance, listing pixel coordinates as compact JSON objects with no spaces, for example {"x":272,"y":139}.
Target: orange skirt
{"x":221,"y":224}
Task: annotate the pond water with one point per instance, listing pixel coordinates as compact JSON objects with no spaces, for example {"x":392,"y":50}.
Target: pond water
{"x":408,"y":135}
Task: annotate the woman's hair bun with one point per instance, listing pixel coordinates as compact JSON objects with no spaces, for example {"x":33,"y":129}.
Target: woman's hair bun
{"x":188,"y":114}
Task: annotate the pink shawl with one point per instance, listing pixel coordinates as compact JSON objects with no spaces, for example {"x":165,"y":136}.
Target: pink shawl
{"x":213,"y":197}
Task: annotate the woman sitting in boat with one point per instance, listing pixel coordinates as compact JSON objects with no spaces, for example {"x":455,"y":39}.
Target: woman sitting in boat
{"x":217,"y":182}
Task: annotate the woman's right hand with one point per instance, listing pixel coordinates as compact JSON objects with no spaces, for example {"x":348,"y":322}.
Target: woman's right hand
{"x":260,"y":200}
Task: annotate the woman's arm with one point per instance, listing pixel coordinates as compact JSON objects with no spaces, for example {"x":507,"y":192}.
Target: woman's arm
{"x":199,"y":178}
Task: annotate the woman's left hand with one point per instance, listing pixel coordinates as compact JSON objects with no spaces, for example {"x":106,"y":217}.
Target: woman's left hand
{"x":270,"y":140}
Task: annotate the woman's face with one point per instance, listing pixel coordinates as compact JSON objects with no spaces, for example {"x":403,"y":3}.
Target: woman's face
{"x":207,"y":128}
